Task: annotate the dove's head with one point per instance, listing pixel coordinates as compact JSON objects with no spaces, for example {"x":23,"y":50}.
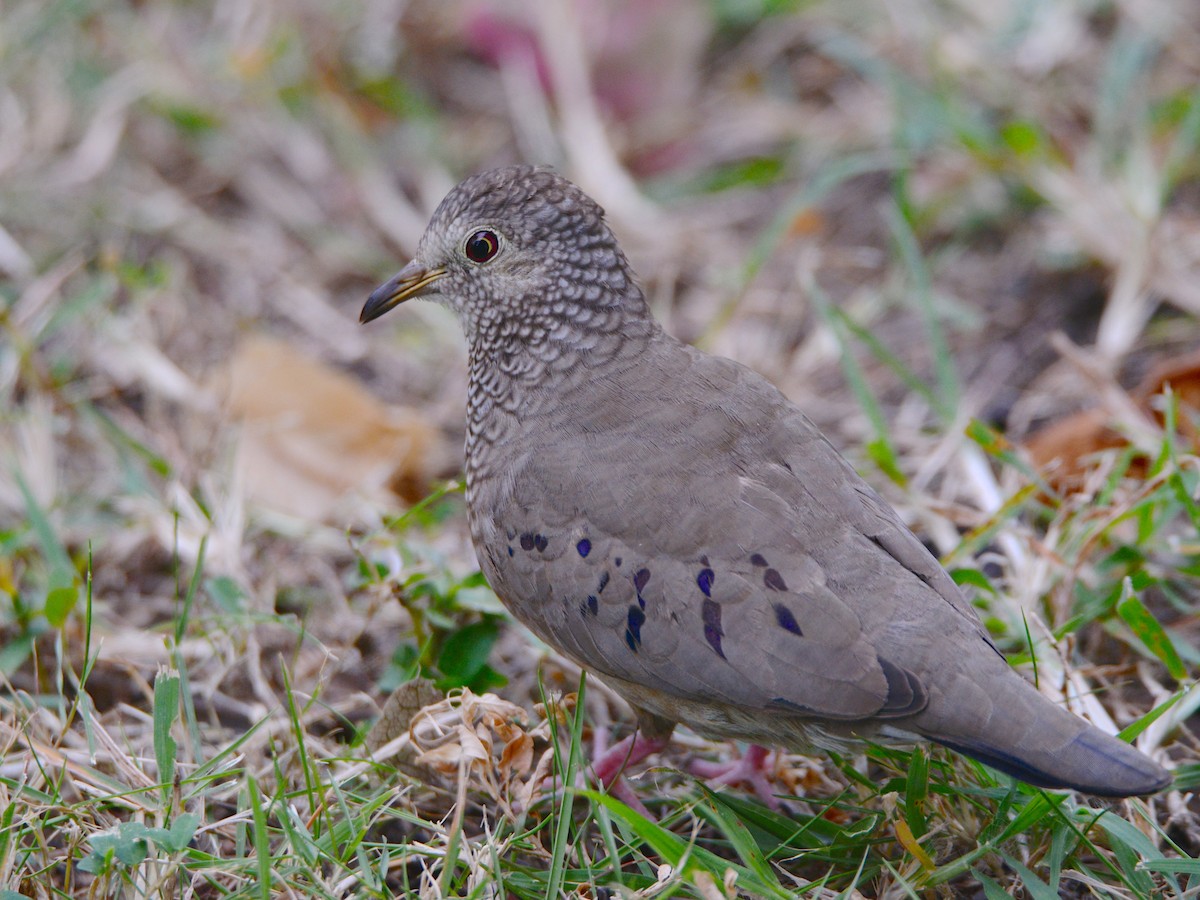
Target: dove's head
{"x":515,"y":251}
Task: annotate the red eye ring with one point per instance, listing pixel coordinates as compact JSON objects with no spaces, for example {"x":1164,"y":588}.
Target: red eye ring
{"x":482,"y":246}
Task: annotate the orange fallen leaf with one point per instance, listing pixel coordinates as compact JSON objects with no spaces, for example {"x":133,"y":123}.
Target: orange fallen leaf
{"x":517,"y":757}
{"x":312,"y":435}
{"x":905,"y":836}
{"x":1064,"y":451}
{"x":806,"y":223}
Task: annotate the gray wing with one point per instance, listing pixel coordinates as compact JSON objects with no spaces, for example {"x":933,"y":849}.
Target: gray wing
{"x":717,"y":548}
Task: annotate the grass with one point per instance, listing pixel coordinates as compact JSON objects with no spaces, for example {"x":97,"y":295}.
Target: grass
{"x":884,"y":210}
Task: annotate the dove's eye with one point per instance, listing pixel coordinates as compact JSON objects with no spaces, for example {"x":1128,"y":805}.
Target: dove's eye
{"x":482,"y":246}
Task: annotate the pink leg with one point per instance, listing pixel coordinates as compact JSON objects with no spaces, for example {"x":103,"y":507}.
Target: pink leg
{"x":629,"y":752}
{"x":751,"y":769}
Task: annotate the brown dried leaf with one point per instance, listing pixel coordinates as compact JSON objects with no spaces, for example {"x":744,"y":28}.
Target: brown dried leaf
{"x":1182,"y":376}
{"x":313,"y":435}
{"x":443,"y":758}
{"x":474,"y":746}
{"x":517,"y":757}
{"x":1064,"y":451}
{"x":560,"y":709}
{"x":400,"y":710}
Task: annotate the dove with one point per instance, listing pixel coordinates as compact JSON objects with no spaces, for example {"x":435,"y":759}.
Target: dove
{"x":671,"y":522}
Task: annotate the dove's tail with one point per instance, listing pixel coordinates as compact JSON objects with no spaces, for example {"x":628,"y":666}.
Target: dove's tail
{"x":1023,"y":734}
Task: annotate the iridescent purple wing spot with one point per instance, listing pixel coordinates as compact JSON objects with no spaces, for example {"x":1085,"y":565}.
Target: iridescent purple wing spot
{"x":710,"y":612}
{"x":786,"y":620}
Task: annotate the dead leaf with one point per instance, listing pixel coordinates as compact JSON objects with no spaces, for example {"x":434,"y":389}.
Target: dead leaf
{"x":1065,"y":451}
{"x":400,"y":709}
{"x":312,"y":435}
{"x":443,"y":759}
{"x":517,"y":757}
{"x":806,"y":223}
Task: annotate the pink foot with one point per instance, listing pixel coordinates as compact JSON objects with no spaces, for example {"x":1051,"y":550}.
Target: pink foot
{"x":628,"y":752}
{"x":609,"y":766}
{"x":751,"y":769}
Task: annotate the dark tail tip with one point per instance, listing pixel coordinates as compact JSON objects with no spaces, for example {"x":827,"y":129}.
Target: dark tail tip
{"x":1093,"y":763}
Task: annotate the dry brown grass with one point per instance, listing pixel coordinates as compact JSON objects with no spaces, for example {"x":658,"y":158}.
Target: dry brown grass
{"x":179,"y":181}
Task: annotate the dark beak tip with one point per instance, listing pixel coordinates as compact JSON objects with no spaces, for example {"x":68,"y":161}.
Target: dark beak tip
{"x":410,"y":282}
{"x":377,"y":304}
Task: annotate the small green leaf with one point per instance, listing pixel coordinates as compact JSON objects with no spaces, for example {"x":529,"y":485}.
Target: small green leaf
{"x":181,"y":832}
{"x":403,"y":668}
{"x":98,"y":862}
{"x":126,"y":843}
{"x":226,"y":593}
{"x":15,"y":651}
{"x":1042,"y":805}
{"x":736,"y":832}
{"x":1023,"y":138}
{"x":882,"y":454}
{"x":972,"y":578}
{"x":61,"y":568}
{"x":261,"y":837}
{"x":466,"y":652}
{"x":478,"y":599}
{"x":487,"y":679}
{"x":59,"y":604}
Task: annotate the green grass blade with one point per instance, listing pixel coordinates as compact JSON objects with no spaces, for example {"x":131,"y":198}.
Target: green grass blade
{"x":719,"y":815}
{"x":1147,"y":628}
{"x":166,"y":710}
{"x":679,"y":854}
{"x":189,"y":598}
{"x":260,"y":838}
{"x":922,"y":285}
{"x":568,"y":766}
{"x":880,"y":448}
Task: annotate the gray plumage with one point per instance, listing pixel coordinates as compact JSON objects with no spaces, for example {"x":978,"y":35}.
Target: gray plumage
{"x":671,"y":522}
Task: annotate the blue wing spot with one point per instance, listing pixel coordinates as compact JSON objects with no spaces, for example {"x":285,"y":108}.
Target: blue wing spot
{"x":641,"y":579}
{"x":785,"y":703}
{"x":710,"y":611}
{"x":786,"y":620}
{"x":540,"y":542}
{"x":633,"y":627}
{"x":510,"y":550}
{"x":705,"y":581}
{"x":758,"y":560}
{"x":527,"y":541}
{"x":617,"y":562}
{"x":603,"y":583}
{"x":773,"y":580}
{"x":593,"y":604}
{"x":584,"y":547}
